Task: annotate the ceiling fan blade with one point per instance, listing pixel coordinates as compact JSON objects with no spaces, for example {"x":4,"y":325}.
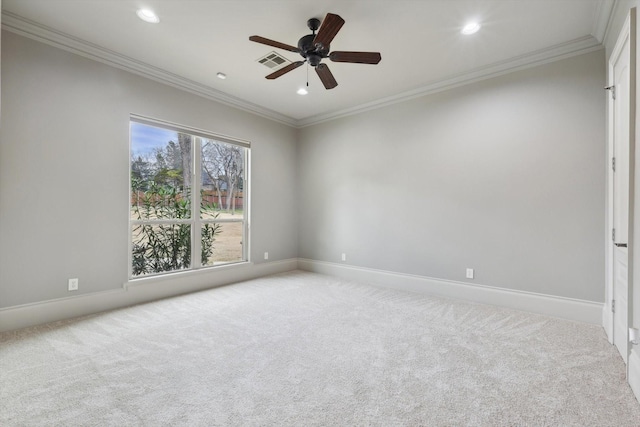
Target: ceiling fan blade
{"x":284,"y":70}
{"x":328,"y":30}
{"x":356,"y":57}
{"x":274,"y":43}
{"x":326,"y":77}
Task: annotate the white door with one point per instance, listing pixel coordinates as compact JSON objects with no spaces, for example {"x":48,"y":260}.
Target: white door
{"x":620,"y":108}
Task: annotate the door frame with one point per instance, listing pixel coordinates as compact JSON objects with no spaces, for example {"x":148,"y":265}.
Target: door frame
{"x":633,"y":308}
{"x":628,"y":32}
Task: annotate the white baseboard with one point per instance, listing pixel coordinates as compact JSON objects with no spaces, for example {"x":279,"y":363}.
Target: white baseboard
{"x":634,"y":371}
{"x":549,"y":305}
{"x":22,"y":316}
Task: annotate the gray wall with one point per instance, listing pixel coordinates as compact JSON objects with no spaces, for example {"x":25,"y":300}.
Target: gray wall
{"x":64,"y":150}
{"x":506,"y":176}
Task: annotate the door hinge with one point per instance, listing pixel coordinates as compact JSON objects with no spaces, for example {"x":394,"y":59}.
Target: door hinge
{"x":613,"y":91}
{"x":613,"y":234}
{"x":613,"y":164}
{"x":613,"y":306}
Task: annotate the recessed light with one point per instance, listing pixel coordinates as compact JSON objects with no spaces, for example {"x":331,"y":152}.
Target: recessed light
{"x":302,"y":91}
{"x":470,"y":28}
{"x":221,"y":76}
{"x":148,"y":15}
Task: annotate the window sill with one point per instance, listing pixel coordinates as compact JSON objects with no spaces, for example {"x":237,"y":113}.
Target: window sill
{"x":149,"y":280}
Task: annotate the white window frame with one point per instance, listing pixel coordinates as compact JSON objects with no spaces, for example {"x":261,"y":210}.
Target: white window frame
{"x":195,"y":221}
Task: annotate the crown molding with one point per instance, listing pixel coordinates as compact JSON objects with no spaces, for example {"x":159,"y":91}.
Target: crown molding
{"x":576,"y":47}
{"x":33,"y":30}
{"x":602,"y":19}
{"x":619,"y":7}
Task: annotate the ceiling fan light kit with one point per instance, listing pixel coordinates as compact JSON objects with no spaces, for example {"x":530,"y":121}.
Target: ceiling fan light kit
{"x":316,"y":47}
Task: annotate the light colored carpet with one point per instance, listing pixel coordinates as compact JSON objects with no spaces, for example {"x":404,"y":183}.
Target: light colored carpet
{"x":302,"y":349}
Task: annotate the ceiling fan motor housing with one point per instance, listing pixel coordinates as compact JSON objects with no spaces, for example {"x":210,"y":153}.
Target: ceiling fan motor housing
{"x":312,"y":53}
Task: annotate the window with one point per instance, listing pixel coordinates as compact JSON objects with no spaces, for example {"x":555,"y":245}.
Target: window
{"x":189,"y":195}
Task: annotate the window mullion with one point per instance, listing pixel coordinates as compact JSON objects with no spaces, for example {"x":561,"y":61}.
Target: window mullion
{"x":245,"y":207}
{"x":160,"y":221}
{"x":196,"y":233}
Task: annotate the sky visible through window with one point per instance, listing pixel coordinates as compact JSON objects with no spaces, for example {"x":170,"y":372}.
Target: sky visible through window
{"x":145,"y":139}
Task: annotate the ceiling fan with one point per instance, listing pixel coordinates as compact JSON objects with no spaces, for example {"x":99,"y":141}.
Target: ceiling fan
{"x":315,"y":47}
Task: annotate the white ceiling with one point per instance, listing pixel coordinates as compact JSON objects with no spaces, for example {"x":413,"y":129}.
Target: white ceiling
{"x":420,"y":42}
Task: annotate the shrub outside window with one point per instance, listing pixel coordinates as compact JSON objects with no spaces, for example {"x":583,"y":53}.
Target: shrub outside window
{"x":188,"y":198}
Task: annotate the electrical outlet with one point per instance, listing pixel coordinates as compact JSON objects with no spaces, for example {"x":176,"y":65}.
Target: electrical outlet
{"x":266,"y":255}
{"x":469,"y":273}
{"x":73,"y":284}
{"x":344,"y":257}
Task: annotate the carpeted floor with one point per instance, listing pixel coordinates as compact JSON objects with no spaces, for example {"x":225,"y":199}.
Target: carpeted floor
{"x":302,"y":349}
